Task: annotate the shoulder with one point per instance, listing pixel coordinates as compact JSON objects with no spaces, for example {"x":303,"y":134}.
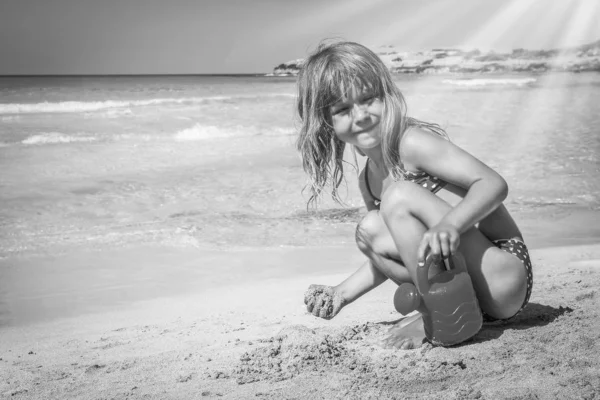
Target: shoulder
{"x":418,"y":142}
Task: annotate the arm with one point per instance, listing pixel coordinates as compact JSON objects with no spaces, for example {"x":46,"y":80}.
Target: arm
{"x":367,"y":277}
{"x":326,"y":301}
{"x":485,"y":189}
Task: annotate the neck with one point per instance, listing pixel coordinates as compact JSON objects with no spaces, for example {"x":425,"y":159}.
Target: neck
{"x":376,"y":157}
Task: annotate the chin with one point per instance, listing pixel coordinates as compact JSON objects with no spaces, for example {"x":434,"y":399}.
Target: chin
{"x":369,"y":143}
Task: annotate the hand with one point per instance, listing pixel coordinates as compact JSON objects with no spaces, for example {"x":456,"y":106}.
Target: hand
{"x":442,"y":240}
{"x":323,"y":301}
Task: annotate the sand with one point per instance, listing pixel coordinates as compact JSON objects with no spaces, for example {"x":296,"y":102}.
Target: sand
{"x":252,"y":338}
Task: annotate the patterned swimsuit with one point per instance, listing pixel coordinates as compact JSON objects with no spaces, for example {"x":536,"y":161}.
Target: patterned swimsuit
{"x":514,"y":246}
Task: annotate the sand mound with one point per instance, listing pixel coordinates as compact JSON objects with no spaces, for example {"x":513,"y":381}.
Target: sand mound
{"x":533,"y":346}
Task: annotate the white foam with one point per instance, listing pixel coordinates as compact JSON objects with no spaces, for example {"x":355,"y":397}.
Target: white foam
{"x":89,"y":106}
{"x":56,"y":137}
{"x":204,"y":132}
{"x":110,"y":113}
{"x":9,"y":118}
{"x":490,"y":81}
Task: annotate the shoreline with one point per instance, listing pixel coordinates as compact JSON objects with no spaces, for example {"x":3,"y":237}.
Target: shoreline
{"x":74,"y":280}
{"x":221,"y":343}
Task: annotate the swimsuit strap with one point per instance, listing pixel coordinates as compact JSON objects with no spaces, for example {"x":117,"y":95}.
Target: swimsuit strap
{"x":413,"y":176}
{"x":367,"y":183}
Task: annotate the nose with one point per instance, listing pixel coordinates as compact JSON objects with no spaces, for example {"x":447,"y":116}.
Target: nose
{"x":360,"y":113}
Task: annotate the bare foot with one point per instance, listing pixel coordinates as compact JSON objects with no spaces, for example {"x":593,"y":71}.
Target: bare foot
{"x":408,"y":333}
{"x":323,"y":301}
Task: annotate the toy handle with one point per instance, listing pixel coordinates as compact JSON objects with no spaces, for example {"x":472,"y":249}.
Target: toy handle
{"x":456,"y":262}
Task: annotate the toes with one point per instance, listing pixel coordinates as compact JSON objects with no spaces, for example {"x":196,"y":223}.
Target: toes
{"x":407,"y":345}
{"x":384,"y":343}
{"x":393,"y":343}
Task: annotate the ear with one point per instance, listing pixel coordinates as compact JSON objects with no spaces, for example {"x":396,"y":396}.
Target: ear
{"x":359,"y":151}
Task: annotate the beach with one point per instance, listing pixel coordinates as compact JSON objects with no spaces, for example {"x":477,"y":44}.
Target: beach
{"x":253,"y":339}
{"x":155,"y":243}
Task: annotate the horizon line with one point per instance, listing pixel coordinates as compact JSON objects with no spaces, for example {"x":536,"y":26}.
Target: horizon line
{"x":133,"y":74}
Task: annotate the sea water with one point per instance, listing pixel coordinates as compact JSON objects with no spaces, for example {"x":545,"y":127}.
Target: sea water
{"x":209,"y":161}
{"x":120,"y":189}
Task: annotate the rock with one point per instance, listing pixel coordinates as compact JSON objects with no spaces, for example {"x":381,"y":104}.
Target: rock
{"x":443,"y":61}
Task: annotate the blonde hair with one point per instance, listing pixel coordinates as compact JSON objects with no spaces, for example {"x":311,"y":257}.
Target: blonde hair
{"x":324,"y":79}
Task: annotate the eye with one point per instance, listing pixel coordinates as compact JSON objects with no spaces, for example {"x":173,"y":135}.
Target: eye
{"x":341,"y":111}
{"x":369,"y":98}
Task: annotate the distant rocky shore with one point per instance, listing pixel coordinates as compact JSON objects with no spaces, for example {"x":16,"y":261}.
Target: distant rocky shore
{"x":449,"y":61}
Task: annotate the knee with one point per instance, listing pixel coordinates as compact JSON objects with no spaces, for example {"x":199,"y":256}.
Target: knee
{"x":368,"y":231}
{"x":508,"y":291}
{"x":398,"y":198}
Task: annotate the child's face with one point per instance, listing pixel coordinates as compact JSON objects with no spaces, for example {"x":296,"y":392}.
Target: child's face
{"x":356,"y":118}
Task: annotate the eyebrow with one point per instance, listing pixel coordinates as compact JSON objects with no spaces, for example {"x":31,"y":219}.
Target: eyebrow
{"x":344,"y":101}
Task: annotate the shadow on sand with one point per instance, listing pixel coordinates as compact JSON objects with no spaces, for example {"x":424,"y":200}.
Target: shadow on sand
{"x":533,"y":315}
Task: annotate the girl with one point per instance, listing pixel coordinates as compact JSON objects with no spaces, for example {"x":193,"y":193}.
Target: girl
{"x":425,"y":195}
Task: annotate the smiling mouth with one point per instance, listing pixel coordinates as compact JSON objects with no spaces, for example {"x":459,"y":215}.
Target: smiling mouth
{"x":369,"y":128}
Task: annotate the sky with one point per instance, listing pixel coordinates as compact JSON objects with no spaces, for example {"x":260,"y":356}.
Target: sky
{"x":48,"y":37}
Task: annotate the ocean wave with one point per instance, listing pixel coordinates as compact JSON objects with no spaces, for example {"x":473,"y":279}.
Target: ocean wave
{"x":203,"y":132}
{"x":196,"y":132}
{"x":490,"y":81}
{"x":10,"y":118}
{"x":110,"y":113}
{"x":91,"y":106}
{"x":56,"y":137}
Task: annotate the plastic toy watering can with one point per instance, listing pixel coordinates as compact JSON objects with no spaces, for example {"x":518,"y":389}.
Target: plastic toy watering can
{"x":447,"y":301}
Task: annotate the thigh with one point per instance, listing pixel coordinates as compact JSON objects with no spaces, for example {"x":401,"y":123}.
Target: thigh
{"x":496,"y":274}
{"x":499,"y":278}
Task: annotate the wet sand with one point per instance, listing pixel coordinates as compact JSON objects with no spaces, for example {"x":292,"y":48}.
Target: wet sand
{"x":198,"y":336}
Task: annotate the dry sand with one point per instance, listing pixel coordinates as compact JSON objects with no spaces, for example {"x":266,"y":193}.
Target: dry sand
{"x":251,"y":338}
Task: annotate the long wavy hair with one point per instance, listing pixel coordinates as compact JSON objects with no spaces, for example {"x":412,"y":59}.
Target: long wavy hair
{"x":325,"y":78}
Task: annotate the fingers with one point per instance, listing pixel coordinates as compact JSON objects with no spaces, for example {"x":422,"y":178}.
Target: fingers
{"x":337,"y":306}
{"x":442,"y":243}
{"x":454,"y":243}
{"x":321,"y":301}
{"x":326,"y":307}
{"x":309,"y":295}
{"x":316,"y":311}
{"x":423,"y":249}
{"x":434,"y":245}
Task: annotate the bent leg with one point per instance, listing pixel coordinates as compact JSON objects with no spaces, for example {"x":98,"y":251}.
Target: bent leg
{"x":499,"y":278}
{"x":374,"y":240}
